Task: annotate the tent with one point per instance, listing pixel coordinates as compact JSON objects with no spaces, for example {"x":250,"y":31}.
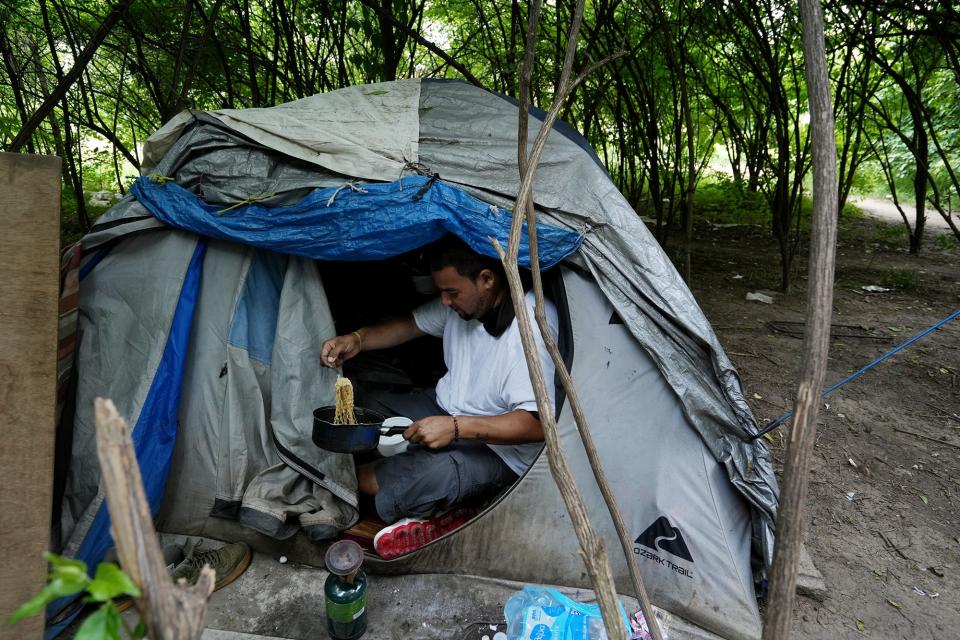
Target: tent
{"x":255,"y":234}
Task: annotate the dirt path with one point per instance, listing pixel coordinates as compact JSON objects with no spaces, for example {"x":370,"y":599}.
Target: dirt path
{"x":886,"y":211}
{"x":883,"y":524}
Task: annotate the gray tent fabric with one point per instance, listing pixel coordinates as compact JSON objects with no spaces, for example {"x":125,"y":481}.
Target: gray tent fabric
{"x":691,"y":527}
{"x":254,"y":382}
{"x":366,"y":131}
{"x":698,"y":495}
{"x":119,"y":315}
{"x":628,"y":264}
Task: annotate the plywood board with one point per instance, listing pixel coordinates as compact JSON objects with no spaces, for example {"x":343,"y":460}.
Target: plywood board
{"x":29,"y":273}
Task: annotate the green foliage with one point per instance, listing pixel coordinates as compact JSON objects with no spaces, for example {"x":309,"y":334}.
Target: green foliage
{"x":727,"y":83}
{"x":904,"y":280}
{"x":852,"y":212}
{"x":68,"y":577}
{"x":891,"y":234}
{"x":869,"y":181}
{"x":948,"y":243}
{"x":724,"y":201}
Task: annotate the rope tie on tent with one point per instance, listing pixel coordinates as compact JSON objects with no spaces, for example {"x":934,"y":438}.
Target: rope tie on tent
{"x":776,"y":423}
{"x":245,"y":202}
{"x":353,"y":186}
{"x":417,"y":167}
{"x":589,"y":227}
{"x":418,"y":196}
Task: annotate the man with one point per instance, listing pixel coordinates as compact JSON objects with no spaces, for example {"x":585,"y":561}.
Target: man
{"x":479,"y":430}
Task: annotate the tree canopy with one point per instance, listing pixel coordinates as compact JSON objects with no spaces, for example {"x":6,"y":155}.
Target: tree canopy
{"x":703,"y":92}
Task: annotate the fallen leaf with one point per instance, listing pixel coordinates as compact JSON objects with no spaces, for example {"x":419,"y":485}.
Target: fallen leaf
{"x":860,"y":625}
{"x":768,"y":437}
{"x":924,"y":498}
{"x":893,"y":603}
{"x":757,"y":396}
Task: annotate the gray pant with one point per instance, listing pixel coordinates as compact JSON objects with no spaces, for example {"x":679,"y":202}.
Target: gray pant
{"x":420,"y":481}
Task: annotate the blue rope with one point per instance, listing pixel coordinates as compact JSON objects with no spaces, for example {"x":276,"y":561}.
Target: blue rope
{"x":776,"y":423}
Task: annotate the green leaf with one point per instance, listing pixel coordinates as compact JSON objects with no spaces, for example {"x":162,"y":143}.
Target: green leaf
{"x":924,"y":498}
{"x":31,"y":606}
{"x":860,"y":625}
{"x":140,"y":631}
{"x":110,"y":582}
{"x":64,"y":581}
{"x":65,"y":568}
{"x":103,"y":624}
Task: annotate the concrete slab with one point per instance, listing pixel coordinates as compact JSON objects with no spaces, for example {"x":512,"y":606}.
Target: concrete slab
{"x":810,"y":581}
{"x":273,"y":600}
{"x":286,"y":601}
{"x":216,"y":634}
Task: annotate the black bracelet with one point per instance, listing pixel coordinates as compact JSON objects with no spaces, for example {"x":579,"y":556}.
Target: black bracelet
{"x":456,"y":429}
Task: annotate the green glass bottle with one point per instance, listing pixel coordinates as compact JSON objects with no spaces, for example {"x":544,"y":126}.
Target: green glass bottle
{"x":345,"y":591}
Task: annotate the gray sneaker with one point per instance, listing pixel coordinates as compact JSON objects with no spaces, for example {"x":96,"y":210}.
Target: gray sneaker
{"x":229,"y":562}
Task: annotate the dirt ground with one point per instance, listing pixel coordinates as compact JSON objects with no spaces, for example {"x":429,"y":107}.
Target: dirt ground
{"x":881,"y":519}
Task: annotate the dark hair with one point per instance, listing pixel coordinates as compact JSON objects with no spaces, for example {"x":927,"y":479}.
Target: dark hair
{"x":451,"y":251}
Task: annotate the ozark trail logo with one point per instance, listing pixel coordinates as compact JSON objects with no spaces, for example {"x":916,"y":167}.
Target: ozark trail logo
{"x":661,"y":536}
{"x":665,"y":537}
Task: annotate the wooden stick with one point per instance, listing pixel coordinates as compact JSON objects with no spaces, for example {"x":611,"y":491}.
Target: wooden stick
{"x":591,"y":546}
{"x":932,"y":439}
{"x":946,"y":414}
{"x":893,"y":546}
{"x":779,"y":619}
{"x":583,"y":426}
{"x":171,"y":612}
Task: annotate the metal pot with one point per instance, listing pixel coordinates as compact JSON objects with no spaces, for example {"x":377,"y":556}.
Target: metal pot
{"x":350,"y":438}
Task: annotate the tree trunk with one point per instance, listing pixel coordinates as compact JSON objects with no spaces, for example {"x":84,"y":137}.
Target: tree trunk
{"x":793,"y":494}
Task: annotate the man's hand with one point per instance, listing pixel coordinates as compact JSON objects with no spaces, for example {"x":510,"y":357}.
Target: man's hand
{"x":434,"y":432}
{"x":336,"y":351}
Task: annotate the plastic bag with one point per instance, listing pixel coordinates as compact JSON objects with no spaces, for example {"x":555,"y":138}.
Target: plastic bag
{"x":538,"y":613}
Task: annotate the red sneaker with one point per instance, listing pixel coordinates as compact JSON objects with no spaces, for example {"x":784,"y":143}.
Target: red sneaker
{"x":409,"y":534}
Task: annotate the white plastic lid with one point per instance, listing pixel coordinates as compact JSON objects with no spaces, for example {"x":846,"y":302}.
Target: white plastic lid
{"x":392,"y":445}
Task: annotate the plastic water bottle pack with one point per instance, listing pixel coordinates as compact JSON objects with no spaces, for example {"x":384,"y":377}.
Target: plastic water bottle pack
{"x":539,"y":613}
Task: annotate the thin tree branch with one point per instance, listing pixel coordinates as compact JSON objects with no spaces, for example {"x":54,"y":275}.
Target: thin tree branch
{"x":81,"y":62}
{"x":429,"y":45}
{"x":592,"y":548}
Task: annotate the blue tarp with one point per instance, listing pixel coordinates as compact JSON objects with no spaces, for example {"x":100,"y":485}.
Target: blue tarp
{"x":369,"y":222}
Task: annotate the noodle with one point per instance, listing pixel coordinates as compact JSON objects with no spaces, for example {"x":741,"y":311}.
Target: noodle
{"x":343,"y":391}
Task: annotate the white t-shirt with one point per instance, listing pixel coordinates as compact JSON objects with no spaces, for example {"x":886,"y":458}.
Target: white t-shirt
{"x":488,"y":376}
